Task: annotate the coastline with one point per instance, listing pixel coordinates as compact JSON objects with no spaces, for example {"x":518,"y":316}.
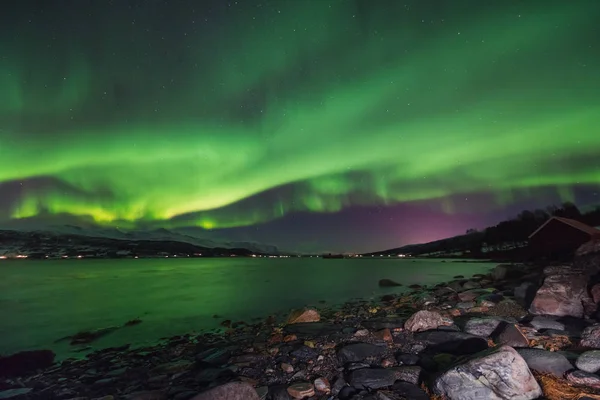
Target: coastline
{"x":399,"y":345}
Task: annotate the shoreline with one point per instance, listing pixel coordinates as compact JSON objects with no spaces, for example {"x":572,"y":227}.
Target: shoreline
{"x":397,"y":345}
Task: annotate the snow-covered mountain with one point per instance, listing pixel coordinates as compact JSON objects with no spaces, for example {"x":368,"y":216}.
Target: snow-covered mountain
{"x":70,"y":239}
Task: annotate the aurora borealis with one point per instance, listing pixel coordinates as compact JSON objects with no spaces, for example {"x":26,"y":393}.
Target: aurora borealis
{"x":237,"y":116}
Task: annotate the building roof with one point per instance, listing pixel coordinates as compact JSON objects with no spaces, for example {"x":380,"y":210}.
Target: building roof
{"x":593,"y":232}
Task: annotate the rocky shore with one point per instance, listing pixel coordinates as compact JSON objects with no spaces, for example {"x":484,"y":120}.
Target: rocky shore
{"x":519,"y":332}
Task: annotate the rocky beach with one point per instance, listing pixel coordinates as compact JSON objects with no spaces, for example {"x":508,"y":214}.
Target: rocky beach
{"x":519,"y":332}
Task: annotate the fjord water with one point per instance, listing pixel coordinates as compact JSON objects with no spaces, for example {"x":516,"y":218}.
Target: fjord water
{"x":42,"y":301}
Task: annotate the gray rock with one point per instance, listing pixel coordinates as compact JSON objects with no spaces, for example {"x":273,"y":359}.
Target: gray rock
{"x":359,"y":352}
{"x":546,"y":361}
{"x":525,"y":292}
{"x":409,"y":391}
{"x":495,"y":374}
{"x":561,"y":295}
{"x":452,"y":342}
{"x":589,"y":361}
{"x":484,"y":326}
{"x":229,"y":391}
{"x":411,"y":374}
{"x":407,"y":359}
{"x":372,"y":378}
{"x":590,"y":337}
{"x":539,"y":323}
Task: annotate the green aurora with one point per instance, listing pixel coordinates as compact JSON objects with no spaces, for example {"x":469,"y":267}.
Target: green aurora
{"x":183,"y":116}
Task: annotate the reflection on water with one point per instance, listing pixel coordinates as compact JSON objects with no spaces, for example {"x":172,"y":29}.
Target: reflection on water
{"x":41,"y":301}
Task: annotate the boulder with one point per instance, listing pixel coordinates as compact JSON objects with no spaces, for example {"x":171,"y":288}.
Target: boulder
{"x":589,"y":361}
{"x":547,"y":362}
{"x":425,"y":320}
{"x":590,"y":337}
{"x":229,"y":391}
{"x":495,"y":374}
{"x":595,"y":292}
{"x":302,"y":316}
{"x":451,"y":342}
{"x":561,"y":295}
{"x":359,"y":352}
{"x":26,"y":362}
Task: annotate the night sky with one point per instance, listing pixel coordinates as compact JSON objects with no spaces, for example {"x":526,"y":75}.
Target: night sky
{"x":348,"y":125}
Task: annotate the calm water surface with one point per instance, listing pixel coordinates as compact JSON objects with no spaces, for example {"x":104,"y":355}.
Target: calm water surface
{"x":42,"y":301}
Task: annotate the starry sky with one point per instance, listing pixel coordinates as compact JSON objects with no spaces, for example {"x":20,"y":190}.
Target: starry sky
{"x":314,"y":125}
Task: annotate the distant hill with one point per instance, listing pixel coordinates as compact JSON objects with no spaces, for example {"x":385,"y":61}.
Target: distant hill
{"x":504,"y":241}
{"x":73,"y":241}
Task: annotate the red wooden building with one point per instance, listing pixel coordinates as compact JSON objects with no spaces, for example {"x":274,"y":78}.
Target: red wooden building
{"x":558,"y":238}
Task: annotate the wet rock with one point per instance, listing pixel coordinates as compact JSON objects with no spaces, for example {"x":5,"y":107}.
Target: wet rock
{"x":13,"y":393}
{"x":484,"y":326}
{"x":511,"y":335}
{"x":338,"y":384}
{"x":287,"y":368}
{"x":544,"y":361}
{"x":411,"y":374}
{"x":303,"y":316}
{"x":407,"y":359}
{"x":589,"y":361}
{"x":372,"y":378}
{"x":561,"y":295}
{"x":499,"y":373}
{"x":229,"y":391}
{"x":409,"y":391}
{"x":150,"y":395}
{"x":388,"y":283}
{"x":322,"y":385}
{"x":539,"y":323}
{"x":452,"y":342}
{"x":590,"y":337}
{"x":425,"y":320}
{"x":583,"y":378}
{"x":216,"y":356}
{"x":359,"y":352}
{"x":301,"y":390}
{"x":506,"y":271}
{"x":26,"y":362}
